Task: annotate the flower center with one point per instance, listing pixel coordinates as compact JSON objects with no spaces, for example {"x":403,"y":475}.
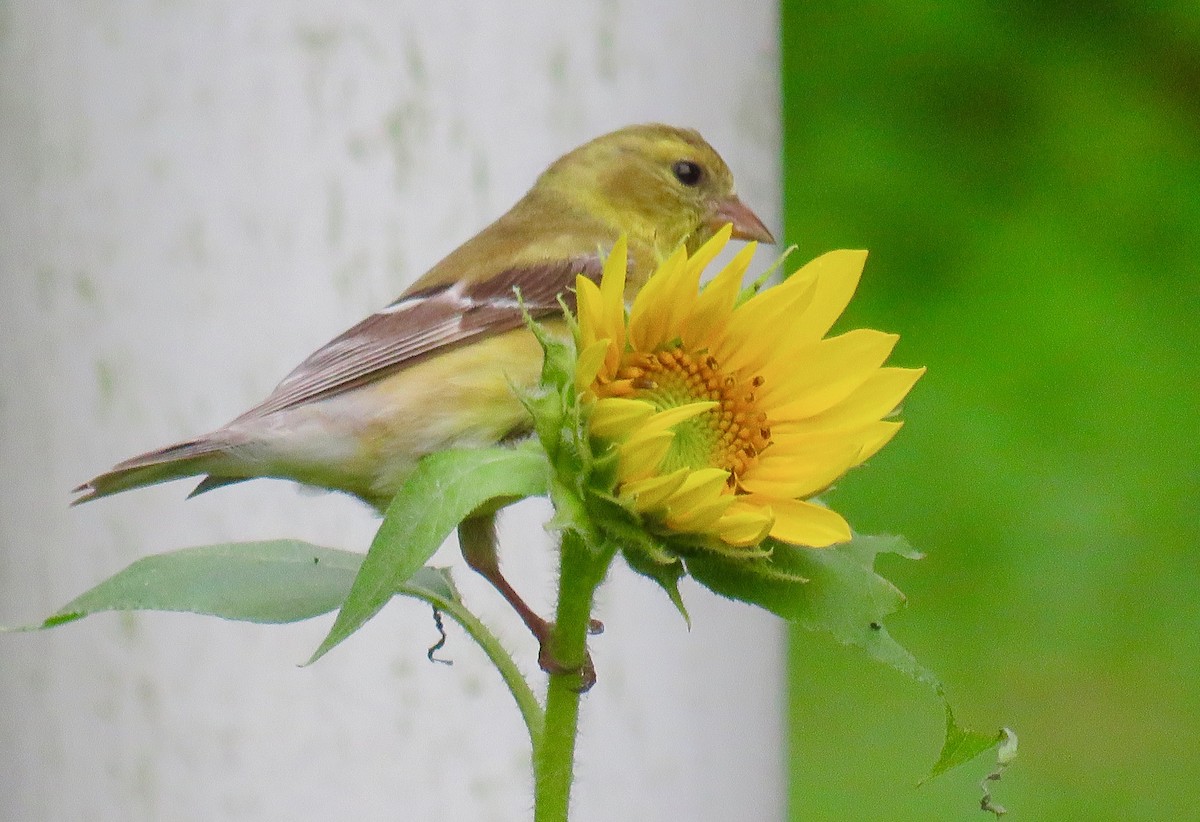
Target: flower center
{"x":730,"y":436}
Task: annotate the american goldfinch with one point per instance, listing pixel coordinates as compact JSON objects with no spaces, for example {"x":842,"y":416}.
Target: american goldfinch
{"x":435,"y":368}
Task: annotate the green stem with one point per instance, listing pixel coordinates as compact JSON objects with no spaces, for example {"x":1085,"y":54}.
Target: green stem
{"x":580,"y":573}
{"x":524,"y":696}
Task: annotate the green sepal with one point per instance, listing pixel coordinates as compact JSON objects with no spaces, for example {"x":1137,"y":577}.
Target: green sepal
{"x":666,"y":574}
{"x":561,"y":427}
{"x":548,"y":404}
{"x":700,"y":544}
{"x":761,"y":280}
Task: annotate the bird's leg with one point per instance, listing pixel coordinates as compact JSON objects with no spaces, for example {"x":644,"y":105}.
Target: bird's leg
{"x":477,"y":538}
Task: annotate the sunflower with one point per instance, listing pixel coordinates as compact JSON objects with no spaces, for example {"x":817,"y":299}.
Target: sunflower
{"x":727,"y":417}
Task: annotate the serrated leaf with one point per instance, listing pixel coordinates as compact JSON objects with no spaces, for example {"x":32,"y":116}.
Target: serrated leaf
{"x":963,"y":745}
{"x":445,"y":489}
{"x":844,"y":596}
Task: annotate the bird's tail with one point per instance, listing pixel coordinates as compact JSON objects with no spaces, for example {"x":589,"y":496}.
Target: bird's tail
{"x":185,"y":459}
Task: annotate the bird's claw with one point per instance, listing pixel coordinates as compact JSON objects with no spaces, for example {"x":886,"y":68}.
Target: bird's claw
{"x":553,"y":666}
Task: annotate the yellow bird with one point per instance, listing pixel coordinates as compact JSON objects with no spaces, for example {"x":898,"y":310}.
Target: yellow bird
{"x":435,"y":368}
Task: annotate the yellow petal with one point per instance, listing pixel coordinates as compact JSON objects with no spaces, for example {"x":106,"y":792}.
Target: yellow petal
{"x":805,"y":523}
{"x":612,"y":298}
{"x":792,"y":445}
{"x":647,"y":317}
{"x":612,"y":280}
{"x":877,"y":436}
{"x":823,"y":374}
{"x":873,"y":400}
{"x":836,"y":274}
{"x":589,"y":307}
{"x":744,"y":524}
{"x":800,"y":472}
{"x":699,"y":487}
{"x":597,"y":321}
{"x":614,"y":417}
{"x":588,"y":365}
{"x":713,"y":307}
{"x":643,"y":453}
{"x":673,"y":416}
{"x":652,"y":492}
{"x":708,"y":252}
{"x":701,"y":518}
{"x":758,"y":327}
{"x":678,"y":298}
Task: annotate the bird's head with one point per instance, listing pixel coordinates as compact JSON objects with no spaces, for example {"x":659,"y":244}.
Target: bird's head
{"x":664,"y":186}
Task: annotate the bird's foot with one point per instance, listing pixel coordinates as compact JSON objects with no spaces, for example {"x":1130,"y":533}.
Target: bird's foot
{"x":586,"y":670}
{"x":542,"y":631}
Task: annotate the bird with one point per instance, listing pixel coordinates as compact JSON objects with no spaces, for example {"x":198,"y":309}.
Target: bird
{"x":436,"y":368}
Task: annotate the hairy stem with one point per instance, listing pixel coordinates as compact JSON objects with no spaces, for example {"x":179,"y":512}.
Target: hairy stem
{"x":522,"y":693}
{"x":580,"y":573}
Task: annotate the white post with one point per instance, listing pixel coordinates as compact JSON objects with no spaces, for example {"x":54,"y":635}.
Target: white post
{"x":194,"y":195}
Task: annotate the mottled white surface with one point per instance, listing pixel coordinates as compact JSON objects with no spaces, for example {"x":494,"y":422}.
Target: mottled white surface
{"x":195,"y":194}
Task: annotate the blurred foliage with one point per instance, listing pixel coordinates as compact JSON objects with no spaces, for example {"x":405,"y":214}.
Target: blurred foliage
{"x":1027,"y":178}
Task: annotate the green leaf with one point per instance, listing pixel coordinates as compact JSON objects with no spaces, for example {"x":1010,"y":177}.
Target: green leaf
{"x":828,"y":589}
{"x":274,"y":582}
{"x":446,"y":488}
{"x":837,"y":590}
{"x":962,"y":745}
{"x":831,"y":589}
{"x":267,"y":582}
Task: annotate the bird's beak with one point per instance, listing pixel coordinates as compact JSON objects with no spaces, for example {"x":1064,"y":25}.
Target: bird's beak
{"x":746,"y":225}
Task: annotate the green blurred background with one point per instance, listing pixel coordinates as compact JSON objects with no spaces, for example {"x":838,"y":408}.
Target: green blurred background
{"x":1027,"y":178}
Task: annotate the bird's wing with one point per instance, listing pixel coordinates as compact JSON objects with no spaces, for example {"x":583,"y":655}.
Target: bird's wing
{"x":425,"y":321}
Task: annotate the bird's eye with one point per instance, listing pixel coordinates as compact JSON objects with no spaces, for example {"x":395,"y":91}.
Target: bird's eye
{"x":688,"y":173}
